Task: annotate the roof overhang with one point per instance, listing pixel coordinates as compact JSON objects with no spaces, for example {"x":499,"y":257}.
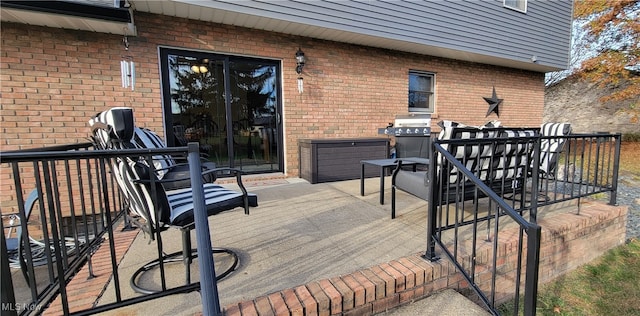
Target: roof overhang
{"x":69,"y":15}
{"x":214,"y":11}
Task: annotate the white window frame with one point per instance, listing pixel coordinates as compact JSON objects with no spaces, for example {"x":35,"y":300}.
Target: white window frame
{"x":520,"y":5}
{"x":432,"y":97}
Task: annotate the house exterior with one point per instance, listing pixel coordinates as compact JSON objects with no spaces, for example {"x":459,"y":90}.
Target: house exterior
{"x":225,"y":73}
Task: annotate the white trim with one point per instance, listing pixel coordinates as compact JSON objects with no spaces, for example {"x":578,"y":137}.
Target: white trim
{"x":516,"y":7}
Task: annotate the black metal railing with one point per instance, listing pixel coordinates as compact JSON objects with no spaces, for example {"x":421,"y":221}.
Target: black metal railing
{"x":52,"y":220}
{"x":476,"y":216}
{"x":588,"y":166}
{"x":61,"y":206}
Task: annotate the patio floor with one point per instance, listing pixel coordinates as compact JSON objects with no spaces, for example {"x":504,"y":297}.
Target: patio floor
{"x":300,"y":232}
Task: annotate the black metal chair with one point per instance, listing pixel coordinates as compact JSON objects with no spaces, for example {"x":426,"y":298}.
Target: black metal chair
{"x":39,"y":253}
{"x":156,"y":207}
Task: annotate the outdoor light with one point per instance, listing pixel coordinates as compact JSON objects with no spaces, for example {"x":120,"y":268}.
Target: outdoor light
{"x":200,"y":67}
{"x":300,"y":60}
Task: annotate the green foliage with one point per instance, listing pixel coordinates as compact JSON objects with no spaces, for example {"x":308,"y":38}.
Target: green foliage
{"x":608,"y":286}
{"x":631,"y":137}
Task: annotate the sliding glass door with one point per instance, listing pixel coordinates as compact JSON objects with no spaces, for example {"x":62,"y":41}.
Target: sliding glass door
{"x":230,"y":105}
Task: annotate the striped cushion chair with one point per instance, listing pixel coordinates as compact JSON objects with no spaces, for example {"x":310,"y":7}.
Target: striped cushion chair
{"x":175,"y":208}
{"x":156,"y":207}
{"x":472,"y":155}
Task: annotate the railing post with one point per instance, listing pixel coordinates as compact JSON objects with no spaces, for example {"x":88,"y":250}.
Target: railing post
{"x":613,"y":200}
{"x":533,"y":263}
{"x":535,"y":177}
{"x":8,"y":297}
{"x":208,"y":283}
{"x":432,"y":208}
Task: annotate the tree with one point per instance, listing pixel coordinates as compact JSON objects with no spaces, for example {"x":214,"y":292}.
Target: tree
{"x":612,"y":34}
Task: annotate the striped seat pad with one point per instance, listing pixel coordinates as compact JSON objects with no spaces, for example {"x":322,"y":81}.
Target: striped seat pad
{"x":217,"y":199}
{"x":174,"y":207}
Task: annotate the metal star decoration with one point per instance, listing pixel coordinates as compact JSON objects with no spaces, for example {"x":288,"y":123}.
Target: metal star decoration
{"x":494,"y":102}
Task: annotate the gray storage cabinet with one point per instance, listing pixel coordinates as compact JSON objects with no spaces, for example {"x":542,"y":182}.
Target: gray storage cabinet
{"x":326,"y":160}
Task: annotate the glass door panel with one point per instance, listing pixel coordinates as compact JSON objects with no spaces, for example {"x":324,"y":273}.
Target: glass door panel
{"x":198,"y":105}
{"x":253,"y":111}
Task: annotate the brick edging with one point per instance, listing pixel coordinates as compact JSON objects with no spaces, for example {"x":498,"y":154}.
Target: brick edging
{"x":364,"y":292}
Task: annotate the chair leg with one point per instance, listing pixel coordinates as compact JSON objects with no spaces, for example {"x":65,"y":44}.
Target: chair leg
{"x":186,"y":254}
{"x":393,"y":201}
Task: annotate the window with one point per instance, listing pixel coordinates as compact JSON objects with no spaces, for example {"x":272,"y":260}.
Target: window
{"x":518,"y":5}
{"x":421,"y":91}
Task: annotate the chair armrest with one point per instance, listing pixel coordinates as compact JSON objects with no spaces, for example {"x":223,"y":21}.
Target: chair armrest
{"x":395,"y":171}
{"x":238,"y":173}
{"x":235,"y":171}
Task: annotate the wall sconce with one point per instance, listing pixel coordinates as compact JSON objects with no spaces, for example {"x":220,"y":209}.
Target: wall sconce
{"x":300,"y":61}
{"x":201,"y":67}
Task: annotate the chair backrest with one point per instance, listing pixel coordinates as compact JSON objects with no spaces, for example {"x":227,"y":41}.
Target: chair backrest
{"x":146,"y":138}
{"x":551,"y":145}
{"x":114,"y":129}
{"x":511,"y":156}
{"x":413,"y":146}
{"x":491,"y":160}
{"x":471,"y":155}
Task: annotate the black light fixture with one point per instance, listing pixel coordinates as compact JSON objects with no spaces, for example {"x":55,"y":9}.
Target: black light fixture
{"x":300,"y":60}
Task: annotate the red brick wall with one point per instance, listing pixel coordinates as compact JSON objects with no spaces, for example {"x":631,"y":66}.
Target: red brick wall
{"x":53,"y":80}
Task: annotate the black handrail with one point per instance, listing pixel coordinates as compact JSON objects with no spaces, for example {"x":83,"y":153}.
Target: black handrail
{"x":589,"y":164}
{"x":531,"y":229}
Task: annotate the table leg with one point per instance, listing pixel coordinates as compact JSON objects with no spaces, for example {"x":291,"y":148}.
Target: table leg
{"x":381,"y":185}
{"x":361,"y":179}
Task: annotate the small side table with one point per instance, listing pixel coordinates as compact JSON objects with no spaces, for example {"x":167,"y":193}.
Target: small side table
{"x":383,"y":164}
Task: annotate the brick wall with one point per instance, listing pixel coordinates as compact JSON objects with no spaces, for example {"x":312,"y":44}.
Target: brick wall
{"x":53,"y":80}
